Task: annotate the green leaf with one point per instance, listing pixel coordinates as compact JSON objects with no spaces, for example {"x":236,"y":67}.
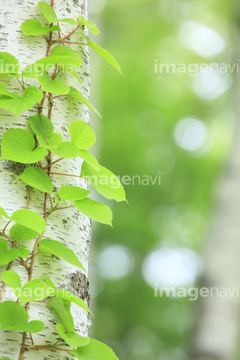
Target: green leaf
{"x":24,"y":252}
{"x":16,"y":103}
{"x":92,"y":27}
{"x":41,"y":125}
{"x":95,"y":211}
{"x":34,"y":27}
{"x":44,"y":65}
{"x":37,"y":178}
{"x":62,"y":308}
{"x":51,"y":16}
{"x":89,"y":158}
{"x":67,"y":295}
{"x":19,"y":232}
{"x":104,"y":54}
{"x":66,"y":150}
{"x":74,"y":73}
{"x":12,"y":279}
{"x":57,"y":200}
{"x":13,"y":316}
{"x":104,"y":181}
{"x":9,"y":63}
{"x":77,"y":95}
{"x":51,"y":142}
{"x":18,"y":145}
{"x":29,"y":219}
{"x":60,"y":50}
{"x":82,"y":135}
{"x":36,"y":290}
{"x":7,"y":256}
{"x":56,"y":86}
{"x":72,"y":193}
{"x":61,"y":251}
{"x":71,"y":338}
{"x":49,"y":282}
{"x":48,"y":12}
{"x":3,"y":213}
{"x":4,"y":91}
{"x":95,"y":351}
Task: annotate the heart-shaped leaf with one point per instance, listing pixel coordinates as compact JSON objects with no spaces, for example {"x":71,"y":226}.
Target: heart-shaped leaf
{"x":66,"y":150}
{"x":34,"y":27}
{"x":13,"y":316}
{"x":6,"y":256}
{"x":19,"y":145}
{"x":16,"y":103}
{"x":82,"y":135}
{"x":56,"y":86}
{"x":9,"y":63}
{"x":89,"y":158}
{"x":29,"y":219}
{"x":51,"y":16}
{"x":92,"y":27}
{"x":62,"y":308}
{"x":19,"y":233}
{"x":41,"y":125}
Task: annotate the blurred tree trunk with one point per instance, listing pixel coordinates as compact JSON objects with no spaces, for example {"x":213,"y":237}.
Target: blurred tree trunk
{"x":218,"y":323}
{"x":70,"y":227}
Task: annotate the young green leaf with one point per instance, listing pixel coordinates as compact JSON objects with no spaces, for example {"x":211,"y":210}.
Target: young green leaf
{"x":89,"y":158}
{"x":41,"y":125}
{"x":72,"y":193}
{"x":19,"y":233}
{"x":12,"y":279}
{"x":9,"y":63}
{"x":33,"y":27}
{"x":48,"y":12}
{"x":71,"y":338}
{"x":104,"y":54}
{"x":3,"y":213}
{"x":94,"y":351}
{"x":56,"y":248}
{"x":104,"y":181}
{"x":77,"y":95}
{"x":7,"y":256}
{"x":82,"y":135}
{"x":66,"y":150}
{"x":62,"y":308}
{"x":49,"y":282}
{"x":4,"y":91}
{"x":13,"y":316}
{"x":16,"y":103}
{"x":60,"y":50}
{"x":36,"y":290}
{"x":19,"y":145}
{"x":92,"y":27}
{"x":94,"y":210}
{"x":44,"y":65}
{"x":56,"y":86}
{"x":29,"y":219}
{"x":37,"y":178}
{"x":51,"y":142}
{"x":51,"y":16}
{"x":67,"y":295}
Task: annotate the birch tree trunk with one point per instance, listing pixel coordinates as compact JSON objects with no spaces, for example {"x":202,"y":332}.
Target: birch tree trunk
{"x":68,"y":226}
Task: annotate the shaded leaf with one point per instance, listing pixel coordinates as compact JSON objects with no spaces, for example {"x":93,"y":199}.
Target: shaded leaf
{"x":62,"y":308}
{"x":6,"y":256}
{"x":89,"y":158}
{"x":71,"y":338}
{"x":9,"y":63}
{"x":95,"y":351}
{"x":29,"y":219}
{"x":19,"y":232}
{"x":66,"y":150}
{"x":55,"y":86}
{"x":72,"y":193}
{"x":41,"y":125}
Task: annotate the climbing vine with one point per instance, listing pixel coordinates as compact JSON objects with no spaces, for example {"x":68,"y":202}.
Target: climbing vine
{"x":40,"y":149}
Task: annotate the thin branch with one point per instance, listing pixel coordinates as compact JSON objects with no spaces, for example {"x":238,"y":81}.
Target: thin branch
{"x":54,"y":162}
{"x":65,"y":37}
{"x":54,"y":173}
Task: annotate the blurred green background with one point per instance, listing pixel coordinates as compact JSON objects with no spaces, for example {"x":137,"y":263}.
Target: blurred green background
{"x":176,"y":125}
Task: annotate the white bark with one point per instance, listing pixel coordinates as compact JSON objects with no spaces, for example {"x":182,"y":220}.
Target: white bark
{"x":68,"y":226}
